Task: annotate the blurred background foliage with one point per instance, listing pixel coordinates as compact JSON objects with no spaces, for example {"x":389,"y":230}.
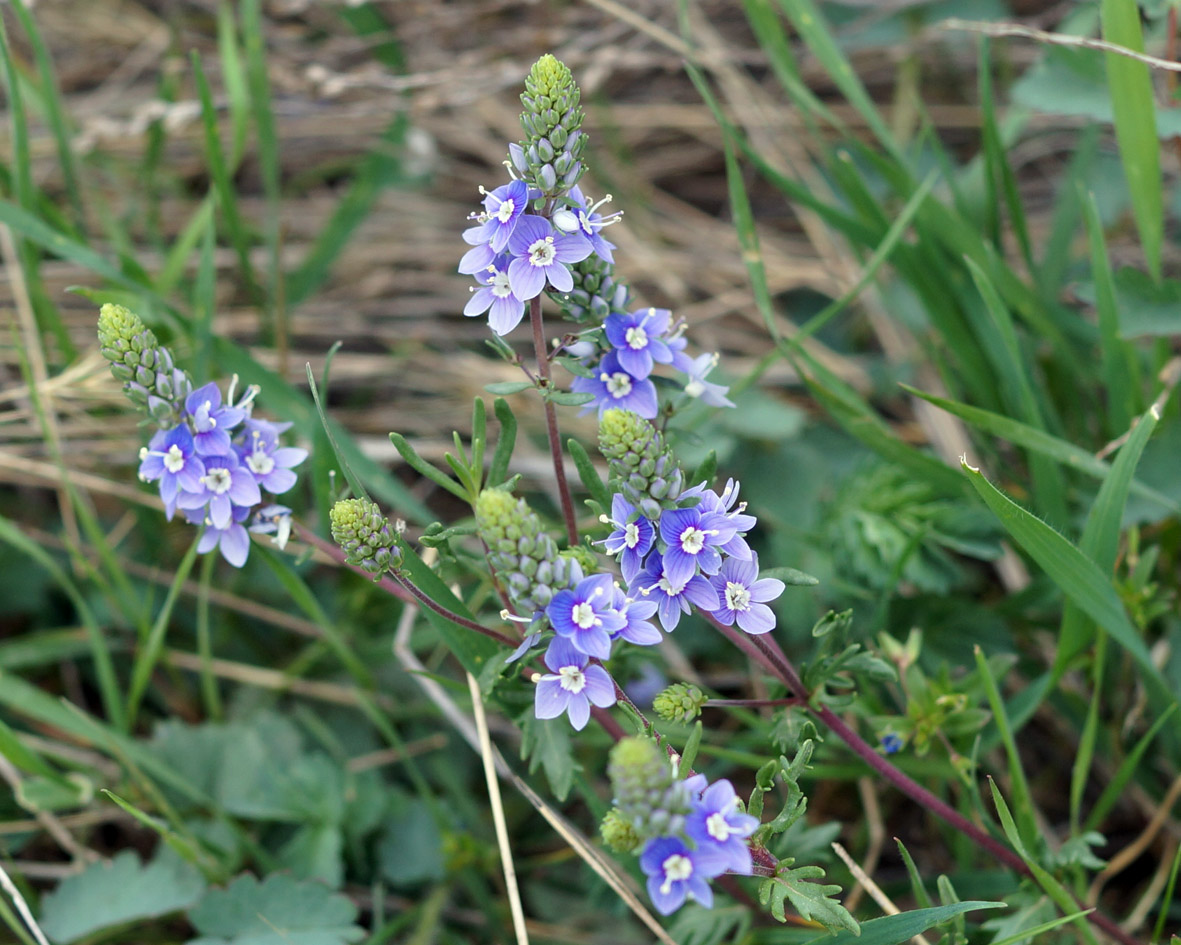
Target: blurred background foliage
{"x":908,"y":242}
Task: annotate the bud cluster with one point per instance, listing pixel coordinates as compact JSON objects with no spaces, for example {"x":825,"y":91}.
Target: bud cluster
{"x":365,"y":535}
{"x":150,"y":378}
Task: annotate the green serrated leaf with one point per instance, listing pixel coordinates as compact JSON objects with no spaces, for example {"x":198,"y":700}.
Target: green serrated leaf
{"x":122,"y":890}
{"x":280,"y":910}
{"x":811,"y":900}
{"x":546,"y":743}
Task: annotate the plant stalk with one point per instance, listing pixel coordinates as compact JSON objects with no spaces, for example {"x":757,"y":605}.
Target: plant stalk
{"x":551,"y":421}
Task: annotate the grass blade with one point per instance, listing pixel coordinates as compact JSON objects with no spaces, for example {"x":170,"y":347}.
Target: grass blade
{"x":1134,"y":106}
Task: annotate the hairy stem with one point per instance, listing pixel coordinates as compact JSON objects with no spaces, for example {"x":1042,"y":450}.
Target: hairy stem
{"x":551,"y":421}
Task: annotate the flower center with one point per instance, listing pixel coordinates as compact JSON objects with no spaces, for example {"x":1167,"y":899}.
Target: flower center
{"x":584,"y":223}
{"x":737,"y":596}
{"x":717,"y":827}
{"x":174,"y":459}
{"x":692,"y":540}
{"x":695,"y":388}
{"x":260,"y":463}
{"x":668,"y":589}
{"x":677,"y":868}
{"x":202,"y":421}
{"x":572,"y":679}
{"x":542,"y":252}
{"x":504,"y":212}
{"x":637,"y":338}
{"x":631,"y":534}
{"x":217,"y":480}
{"x":583,"y":615}
{"x":619,"y":385}
{"x":499,"y":285}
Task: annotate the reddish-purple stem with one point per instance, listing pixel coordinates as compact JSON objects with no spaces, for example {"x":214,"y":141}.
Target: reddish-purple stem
{"x":767,"y":652}
{"x":551,"y":421}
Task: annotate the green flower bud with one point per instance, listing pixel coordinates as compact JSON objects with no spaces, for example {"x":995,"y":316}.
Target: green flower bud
{"x":365,"y":535}
{"x":647,"y":796}
{"x":617,"y":833}
{"x":642,"y":467}
{"x":150,"y":379}
{"x":680,"y":702}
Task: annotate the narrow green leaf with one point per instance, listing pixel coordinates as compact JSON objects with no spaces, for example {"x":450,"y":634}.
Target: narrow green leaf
{"x":1020,"y":434}
{"x":508,"y":387}
{"x":1123,"y":774}
{"x":423,"y":468}
{"x":895,"y":929}
{"x":498,"y":468}
{"x":589,"y":475}
{"x":1022,"y":797}
{"x":1134,"y":105}
{"x":569,"y":398}
{"x":1121,"y":368}
{"x":1076,"y":575}
{"x":1054,"y":889}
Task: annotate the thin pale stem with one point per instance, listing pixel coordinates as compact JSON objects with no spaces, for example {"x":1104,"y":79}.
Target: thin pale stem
{"x":551,"y":421}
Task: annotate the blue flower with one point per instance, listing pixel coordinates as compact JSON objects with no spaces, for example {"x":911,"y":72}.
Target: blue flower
{"x":612,"y":386}
{"x":572,"y":686}
{"x":676,"y":873}
{"x":696,"y":385}
{"x":723,"y":504}
{"x":742,"y":596}
{"x":540,"y":255}
{"x":637,"y":627}
{"x":211,"y":422}
{"x":892,"y":742}
{"x":266,"y":459}
{"x":637,"y":339}
{"x":496,"y":297}
{"x":588,"y":221}
{"x":170,"y":458}
{"x":672,"y":600}
{"x":231,"y":540}
{"x":693,"y":537}
{"x":225,"y":485}
{"x":715,"y":824}
{"x":632,"y":538}
{"x":586,"y":615}
{"x":502,"y":209}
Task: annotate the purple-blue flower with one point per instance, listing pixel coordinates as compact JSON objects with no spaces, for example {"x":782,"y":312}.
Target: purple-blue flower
{"x":676,"y":873}
{"x":211,"y":422}
{"x":724,"y":505}
{"x":742,"y":596}
{"x":693,"y":537}
{"x":572,"y":686}
{"x":637,"y":339}
{"x":588,"y":221}
{"x":540,"y":255}
{"x":672,"y":600}
{"x":716,"y":824}
{"x":696,"y":385}
{"x":632,"y":538}
{"x":586,"y":615}
{"x":232,"y":540}
{"x":502,"y":209}
{"x":225,"y":484}
{"x":612,"y":386}
{"x":891,"y":743}
{"x":170,"y":458}
{"x":638,"y":627}
{"x":266,"y":459}
{"x":496,"y":297}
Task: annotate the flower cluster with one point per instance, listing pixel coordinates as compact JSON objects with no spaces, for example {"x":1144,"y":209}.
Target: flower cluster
{"x":680,"y":546}
{"x":691,"y":831}
{"x":210,"y":457}
{"x":540,"y":233}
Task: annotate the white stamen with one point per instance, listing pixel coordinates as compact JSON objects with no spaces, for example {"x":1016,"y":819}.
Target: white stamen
{"x":676,"y":869}
{"x":737,"y":596}
{"x":692,"y":540}
{"x":583,"y":616}
{"x":174,"y":459}
{"x":717,"y":827}
{"x":572,"y":678}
